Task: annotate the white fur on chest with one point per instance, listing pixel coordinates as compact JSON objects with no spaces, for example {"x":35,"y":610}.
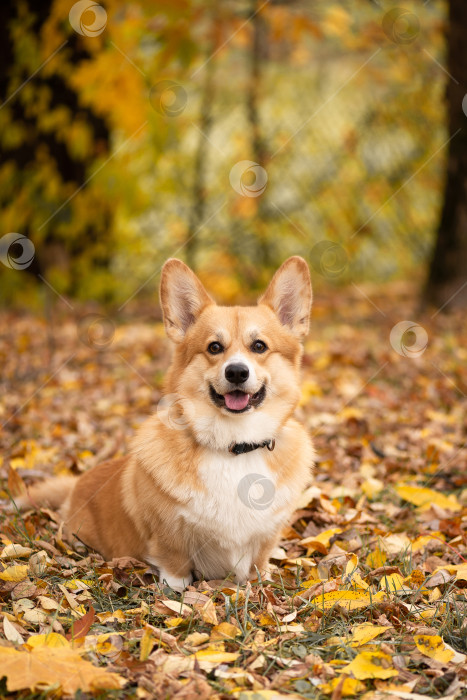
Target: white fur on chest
{"x":239,"y":507}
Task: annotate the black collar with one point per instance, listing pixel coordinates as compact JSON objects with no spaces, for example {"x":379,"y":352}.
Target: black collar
{"x":239,"y":448}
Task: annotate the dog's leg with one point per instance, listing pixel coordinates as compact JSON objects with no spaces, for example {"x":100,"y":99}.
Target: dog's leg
{"x":176,"y":583}
{"x":176,"y":573}
{"x":261,"y":566}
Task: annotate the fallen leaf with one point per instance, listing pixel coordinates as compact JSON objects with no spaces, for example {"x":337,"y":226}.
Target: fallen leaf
{"x":177,"y":607}
{"x":52,"y":640}
{"x":371,"y":664}
{"x":348,"y":688}
{"x":45,"y":665}
{"x":15,"y":551}
{"x":361,"y":634}
{"x":350,"y":600}
{"x":376,"y":559}
{"x":17,"y":572}
{"x":208,"y":613}
{"x":420,"y":496}
{"x":11,"y":633}
{"x":83,"y":625}
{"x":433,"y":646}
{"x":225,"y":631}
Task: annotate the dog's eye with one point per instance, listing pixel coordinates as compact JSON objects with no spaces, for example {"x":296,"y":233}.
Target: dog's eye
{"x":215,"y":348}
{"x":259,"y":346}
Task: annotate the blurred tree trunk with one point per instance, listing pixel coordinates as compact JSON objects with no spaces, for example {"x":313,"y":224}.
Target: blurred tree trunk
{"x":198,"y":206}
{"x":258,"y":55}
{"x":447,"y":278}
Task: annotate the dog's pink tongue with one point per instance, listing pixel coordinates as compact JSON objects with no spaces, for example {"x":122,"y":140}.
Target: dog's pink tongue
{"x":236,"y":400}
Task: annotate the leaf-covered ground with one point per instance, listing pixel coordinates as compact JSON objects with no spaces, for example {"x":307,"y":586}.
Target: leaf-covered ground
{"x":369,"y":591}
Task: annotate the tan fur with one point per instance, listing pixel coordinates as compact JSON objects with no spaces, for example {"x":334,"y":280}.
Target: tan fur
{"x":176,"y":501}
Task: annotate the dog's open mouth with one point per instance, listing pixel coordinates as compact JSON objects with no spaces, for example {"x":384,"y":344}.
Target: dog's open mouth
{"x":237,"y":401}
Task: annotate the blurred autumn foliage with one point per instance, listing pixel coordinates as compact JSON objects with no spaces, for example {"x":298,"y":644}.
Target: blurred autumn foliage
{"x":120,"y":136}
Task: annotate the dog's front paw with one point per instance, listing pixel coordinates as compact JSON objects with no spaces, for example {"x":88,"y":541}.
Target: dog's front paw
{"x":262,"y":573}
{"x":177,"y":584}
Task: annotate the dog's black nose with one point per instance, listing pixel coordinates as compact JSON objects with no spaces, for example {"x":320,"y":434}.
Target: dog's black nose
{"x":237,"y":373}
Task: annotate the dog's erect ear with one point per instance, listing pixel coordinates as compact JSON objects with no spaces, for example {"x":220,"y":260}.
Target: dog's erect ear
{"x":289,"y":295}
{"x":182,"y":297}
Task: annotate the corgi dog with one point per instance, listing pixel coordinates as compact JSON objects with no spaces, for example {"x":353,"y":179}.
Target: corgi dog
{"x":213,"y":476}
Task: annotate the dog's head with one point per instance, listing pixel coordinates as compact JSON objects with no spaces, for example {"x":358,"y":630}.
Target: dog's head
{"x":236,"y":368}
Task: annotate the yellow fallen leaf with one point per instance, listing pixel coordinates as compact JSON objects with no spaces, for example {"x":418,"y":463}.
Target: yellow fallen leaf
{"x":77,"y":584}
{"x":433,"y":646}
{"x":361,"y":634}
{"x":174,"y":621}
{"x":371,"y":664}
{"x":44,"y":666}
{"x":393,"y":583}
{"x":52,"y":639}
{"x":350,"y":600}
{"x":435,"y":595}
{"x":18,"y":572}
{"x":146,"y":644}
{"x":359,"y":582}
{"x":15,"y":551}
{"x":350,"y":686}
{"x":376,"y":559}
{"x":195,"y":639}
{"x":114,"y":616}
{"x":225,"y":631}
{"x":268,"y":695}
{"x":372,"y":487}
{"x":461,"y":572}
{"x":266,"y":620}
{"x":323,"y":537}
{"x":208,"y":660}
{"x":421,"y":496}
{"x":350,"y":567}
{"x":422,"y":541}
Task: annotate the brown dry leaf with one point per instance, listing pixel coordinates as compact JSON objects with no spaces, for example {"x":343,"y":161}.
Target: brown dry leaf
{"x":208,"y":613}
{"x":46,"y":665}
{"x":177,"y":607}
